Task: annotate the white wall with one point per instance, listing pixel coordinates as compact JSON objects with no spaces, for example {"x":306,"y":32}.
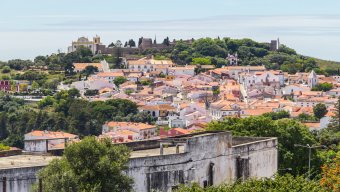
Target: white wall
{"x":167,"y":171}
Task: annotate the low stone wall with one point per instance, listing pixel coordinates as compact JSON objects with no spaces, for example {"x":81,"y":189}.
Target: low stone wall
{"x":10,"y":152}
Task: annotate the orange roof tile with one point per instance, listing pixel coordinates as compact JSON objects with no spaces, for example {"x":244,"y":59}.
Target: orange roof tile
{"x":51,"y":134}
{"x":133,"y":125}
{"x":82,"y":66}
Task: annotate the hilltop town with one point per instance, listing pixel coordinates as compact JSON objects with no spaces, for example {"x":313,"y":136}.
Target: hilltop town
{"x":175,"y":104}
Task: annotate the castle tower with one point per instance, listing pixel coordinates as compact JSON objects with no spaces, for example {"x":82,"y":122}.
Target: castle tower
{"x":312,"y":79}
{"x":96,"y":40}
{"x":155,"y":41}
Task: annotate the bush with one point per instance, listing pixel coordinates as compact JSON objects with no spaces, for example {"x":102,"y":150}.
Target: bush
{"x":91,"y":92}
{"x":4,"y":147}
{"x":279,"y":183}
{"x":6,"y":69}
{"x":323,"y":87}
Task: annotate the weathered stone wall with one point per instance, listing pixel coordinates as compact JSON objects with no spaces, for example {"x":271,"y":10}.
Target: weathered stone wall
{"x":19,"y":179}
{"x":261,"y":157}
{"x":208,"y":160}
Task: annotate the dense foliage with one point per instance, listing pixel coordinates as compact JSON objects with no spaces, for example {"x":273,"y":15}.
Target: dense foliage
{"x":323,"y":87}
{"x":90,"y":165}
{"x":4,"y":147}
{"x":214,"y":51}
{"x":331,"y":173}
{"x":279,"y":183}
{"x":62,"y":112}
{"x":277,"y":115}
{"x":320,"y":110}
{"x":119,"y":80}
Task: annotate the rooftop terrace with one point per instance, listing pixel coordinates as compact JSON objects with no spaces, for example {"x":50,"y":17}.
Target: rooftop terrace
{"x":20,"y":161}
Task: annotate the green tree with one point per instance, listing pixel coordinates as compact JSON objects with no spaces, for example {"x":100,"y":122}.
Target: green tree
{"x":323,"y":87}
{"x":331,"y":174}
{"x":89,"y":70}
{"x":47,"y":101}
{"x":288,"y":132}
{"x":19,"y":64}
{"x":201,"y":61}
{"x":6,"y":69}
{"x":166,"y":41}
{"x":90,"y":165}
{"x":335,"y":121}
{"x":35,"y":85}
{"x":119,"y":80}
{"x":91,"y":92}
{"x":132,"y":43}
{"x":73,"y":93}
{"x":3,"y":126}
{"x":320,"y":110}
{"x":277,"y":115}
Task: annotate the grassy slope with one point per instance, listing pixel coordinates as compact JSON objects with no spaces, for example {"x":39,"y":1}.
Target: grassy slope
{"x":328,"y":64}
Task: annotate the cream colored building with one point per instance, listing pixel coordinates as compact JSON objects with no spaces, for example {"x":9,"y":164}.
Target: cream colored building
{"x":85,"y":42}
{"x":147,"y":65}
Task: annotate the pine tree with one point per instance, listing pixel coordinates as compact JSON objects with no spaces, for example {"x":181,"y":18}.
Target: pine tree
{"x":132,"y":43}
{"x":140,"y":41}
{"x":3,"y":126}
{"x":335,"y":121}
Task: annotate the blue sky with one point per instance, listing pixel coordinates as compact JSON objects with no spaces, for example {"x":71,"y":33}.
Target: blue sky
{"x":40,"y":27}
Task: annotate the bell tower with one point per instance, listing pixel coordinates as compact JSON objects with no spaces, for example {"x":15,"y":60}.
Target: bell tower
{"x":96,"y":39}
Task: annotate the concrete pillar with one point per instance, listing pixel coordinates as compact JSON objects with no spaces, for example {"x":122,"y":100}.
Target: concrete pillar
{"x":4,"y":184}
{"x":46,"y":150}
{"x":161,"y":149}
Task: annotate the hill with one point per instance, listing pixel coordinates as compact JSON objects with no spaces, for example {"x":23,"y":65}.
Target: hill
{"x":324,"y":64}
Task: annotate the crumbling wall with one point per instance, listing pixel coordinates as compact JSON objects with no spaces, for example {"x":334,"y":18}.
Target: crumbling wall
{"x":19,"y":179}
{"x":255,"y":159}
{"x":205,"y":161}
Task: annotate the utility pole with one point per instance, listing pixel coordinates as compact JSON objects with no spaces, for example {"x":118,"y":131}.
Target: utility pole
{"x":309,"y":153}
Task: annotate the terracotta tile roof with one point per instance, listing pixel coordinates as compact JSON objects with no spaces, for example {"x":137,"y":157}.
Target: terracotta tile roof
{"x":330,"y":114}
{"x":51,"y":134}
{"x":182,"y":131}
{"x":257,"y":112}
{"x":183,"y":67}
{"x":110,"y":74}
{"x":312,"y":124}
{"x":124,"y":125}
{"x":82,"y":66}
{"x":299,"y":110}
{"x":145,"y":61}
{"x":105,"y":90}
{"x":158,"y":107}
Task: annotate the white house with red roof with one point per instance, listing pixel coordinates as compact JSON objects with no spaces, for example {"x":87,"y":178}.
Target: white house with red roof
{"x":44,"y":141}
{"x":144,"y":131}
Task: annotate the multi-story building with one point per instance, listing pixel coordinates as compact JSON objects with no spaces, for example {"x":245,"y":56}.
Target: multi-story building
{"x":144,"y":131}
{"x":147,"y":65}
{"x":45,"y":141}
{"x":85,"y":42}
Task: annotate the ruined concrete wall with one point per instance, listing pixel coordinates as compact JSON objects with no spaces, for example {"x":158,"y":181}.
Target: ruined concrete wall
{"x":206,"y":161}
{"x":261,"y":158}
{"x":19,"y":179}
{"x":37,"y":146}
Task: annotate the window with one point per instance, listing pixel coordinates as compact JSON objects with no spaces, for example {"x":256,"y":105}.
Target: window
{"x":205,"y":183}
